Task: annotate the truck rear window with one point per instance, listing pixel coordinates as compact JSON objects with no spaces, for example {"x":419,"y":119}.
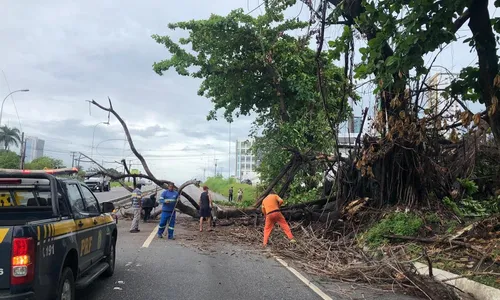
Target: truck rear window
{"x":24,"y":198}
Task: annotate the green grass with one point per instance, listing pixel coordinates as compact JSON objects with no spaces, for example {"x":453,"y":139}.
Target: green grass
{"x":397,"y":223}
{"x":221,"y":186}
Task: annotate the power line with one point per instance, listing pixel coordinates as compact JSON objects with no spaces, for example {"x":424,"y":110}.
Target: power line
{"x":181,"y":156}
{"x":69,"y":142}
{"x":263,"y":2}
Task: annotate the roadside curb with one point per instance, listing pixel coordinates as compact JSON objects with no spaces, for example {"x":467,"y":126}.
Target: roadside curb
{"x":476,"y":289}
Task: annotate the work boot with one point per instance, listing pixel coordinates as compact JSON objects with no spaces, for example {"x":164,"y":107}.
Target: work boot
{"x":134,"y":231}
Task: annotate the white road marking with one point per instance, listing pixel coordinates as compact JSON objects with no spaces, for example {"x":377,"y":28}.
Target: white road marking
{"x":306,"y":281}
{"x":150,"y":238}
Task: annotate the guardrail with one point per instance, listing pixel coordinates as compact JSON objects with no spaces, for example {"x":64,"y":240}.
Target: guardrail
{"x":127,"y":196}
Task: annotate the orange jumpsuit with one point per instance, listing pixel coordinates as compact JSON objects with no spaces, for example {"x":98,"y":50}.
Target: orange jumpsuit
{"x":271,"y":209}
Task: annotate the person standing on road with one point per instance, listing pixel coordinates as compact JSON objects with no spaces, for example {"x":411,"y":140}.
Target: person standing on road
{"x":240,"y":195}
{"x":205,"y":208}
{"x":271,"y":210}
{"x":168,"y":200}
{"x":147,"y":205}
{"x":136,"y":206}
{"x":230,"y":197}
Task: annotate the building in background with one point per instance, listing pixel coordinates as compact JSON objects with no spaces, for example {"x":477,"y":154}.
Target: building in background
{"x":435,"y":102}
{"x":246,"y":162}
{"x":33,"y":148}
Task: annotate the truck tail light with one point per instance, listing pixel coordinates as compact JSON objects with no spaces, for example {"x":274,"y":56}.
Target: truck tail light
{"x":23,"y":261}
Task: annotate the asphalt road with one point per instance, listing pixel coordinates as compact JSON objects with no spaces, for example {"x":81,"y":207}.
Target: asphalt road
{"x":181,"y":269}
{"x":169,"y":270}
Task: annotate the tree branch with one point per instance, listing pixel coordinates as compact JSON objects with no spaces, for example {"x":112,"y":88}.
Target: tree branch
{"x":106,"y":173}
{"x":461,"y":20}
{"x":161,"y":183}
{"x":130,"y":141}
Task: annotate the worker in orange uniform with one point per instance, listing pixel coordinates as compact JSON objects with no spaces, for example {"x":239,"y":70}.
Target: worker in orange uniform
{"x":271,"y":210}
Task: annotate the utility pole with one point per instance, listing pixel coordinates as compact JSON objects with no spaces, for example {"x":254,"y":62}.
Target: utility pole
{"x":73,"y":159}
{"x":129,"y":167}
{"x":22,"y":152}
{"x":79,"y":158}
{"x":215,"y":170}
{"x":229,"y":157}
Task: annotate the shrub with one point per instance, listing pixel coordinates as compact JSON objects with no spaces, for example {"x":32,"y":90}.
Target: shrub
{"x":396,"y":223}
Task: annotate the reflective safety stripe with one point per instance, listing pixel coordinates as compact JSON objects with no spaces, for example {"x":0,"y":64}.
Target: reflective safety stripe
{"x":170,"y":200}
{"x":170,"y":227}
{"x":163,"y":226}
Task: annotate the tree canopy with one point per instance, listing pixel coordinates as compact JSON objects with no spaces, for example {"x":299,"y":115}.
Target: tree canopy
{"x":44,"y":162}
{"x":259,"y":65}
{"x":9,"y":160}
{"x":249,"y":64}
{"x":9,"y":136}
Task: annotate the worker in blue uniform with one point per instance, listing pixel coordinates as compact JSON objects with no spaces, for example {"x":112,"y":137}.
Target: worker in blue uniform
{"x":168,"y":201}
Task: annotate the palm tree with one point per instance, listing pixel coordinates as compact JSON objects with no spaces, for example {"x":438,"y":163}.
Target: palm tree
{"x":9,"y":136}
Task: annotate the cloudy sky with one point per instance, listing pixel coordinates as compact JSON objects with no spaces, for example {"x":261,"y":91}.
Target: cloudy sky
{"x":67,"y":52}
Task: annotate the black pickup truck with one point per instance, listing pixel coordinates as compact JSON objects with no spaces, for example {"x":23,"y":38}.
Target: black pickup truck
{"x":54,"y":236}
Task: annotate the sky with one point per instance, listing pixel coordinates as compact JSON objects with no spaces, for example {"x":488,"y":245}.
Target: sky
{"x":67,"y":52}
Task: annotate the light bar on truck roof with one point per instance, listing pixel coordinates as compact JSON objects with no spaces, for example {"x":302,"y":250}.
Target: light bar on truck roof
{"x":63,"y":171}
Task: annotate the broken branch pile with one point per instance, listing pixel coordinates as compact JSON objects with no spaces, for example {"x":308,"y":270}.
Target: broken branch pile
{"x":325,"y":253}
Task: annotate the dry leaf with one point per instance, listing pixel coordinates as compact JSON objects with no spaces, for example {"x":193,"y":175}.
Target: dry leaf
{"x":493,"y":107}
{"x":496,"y":81}
{"x":477,"y":119}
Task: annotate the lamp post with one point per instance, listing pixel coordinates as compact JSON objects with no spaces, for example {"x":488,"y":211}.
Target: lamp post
{"x":93,"y":136}
{"x":3,"y":102}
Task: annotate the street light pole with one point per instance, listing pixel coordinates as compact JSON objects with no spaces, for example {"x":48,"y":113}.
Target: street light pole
{"x":93,"y":136}
{"x":229,"y":156}
{"x":3,"y":102}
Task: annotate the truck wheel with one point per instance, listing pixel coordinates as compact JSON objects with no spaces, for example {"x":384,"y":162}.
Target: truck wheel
{"x":66,"y":286}
{"x":111,"y":259}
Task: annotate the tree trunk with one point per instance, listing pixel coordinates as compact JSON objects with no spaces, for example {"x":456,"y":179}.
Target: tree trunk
{"x":482,"y":32}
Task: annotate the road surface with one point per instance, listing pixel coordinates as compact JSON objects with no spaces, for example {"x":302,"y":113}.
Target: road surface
{"x":168,"y":270}
{"x":182,"y":269}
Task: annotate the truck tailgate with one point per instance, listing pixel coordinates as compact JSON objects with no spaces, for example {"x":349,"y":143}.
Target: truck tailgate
{"x":5,"y":256}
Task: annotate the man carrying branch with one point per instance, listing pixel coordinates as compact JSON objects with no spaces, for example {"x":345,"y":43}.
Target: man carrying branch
{"x":271,"y":210}
{"x":168,"y":200}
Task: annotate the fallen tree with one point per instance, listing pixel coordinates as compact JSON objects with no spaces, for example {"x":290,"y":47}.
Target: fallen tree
{"x":292,"y":213}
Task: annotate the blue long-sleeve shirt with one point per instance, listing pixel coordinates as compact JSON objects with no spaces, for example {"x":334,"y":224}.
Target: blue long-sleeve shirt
{"x":168,"y":199}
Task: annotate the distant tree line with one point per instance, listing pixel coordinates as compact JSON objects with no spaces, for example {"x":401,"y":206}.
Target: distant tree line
{"x":11,"y":160}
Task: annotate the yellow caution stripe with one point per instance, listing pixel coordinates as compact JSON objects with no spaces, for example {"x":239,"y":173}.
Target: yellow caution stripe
{"x":3,"y":233}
